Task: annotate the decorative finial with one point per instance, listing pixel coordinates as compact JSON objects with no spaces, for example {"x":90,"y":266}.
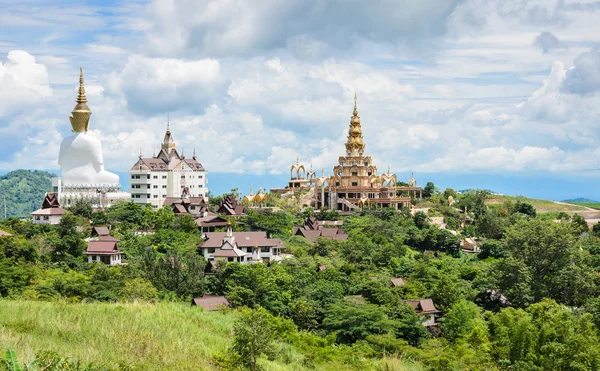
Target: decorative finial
{"x":355,"y":110}
{"x":80,"y":116}
{"x":81,"y":98}
{"x":194,"y":155}
{"x":168,"y":122}
{"x":297,"y":160}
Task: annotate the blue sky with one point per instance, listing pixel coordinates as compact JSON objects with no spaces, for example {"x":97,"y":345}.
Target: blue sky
{"x":494,"y":94}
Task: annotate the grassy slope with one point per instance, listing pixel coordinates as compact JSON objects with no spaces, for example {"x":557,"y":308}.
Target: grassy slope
{"x":539,"y":205}
{"x":165,"y":336}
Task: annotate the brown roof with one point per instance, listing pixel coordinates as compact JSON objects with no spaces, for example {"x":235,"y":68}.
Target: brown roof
{"x":397,"y":282}
{"x":100,"y":231}
{"x":211,"y":220}
{"x":230,"y":206}
{"x":423,"y":306}
{"x":243,"y":239}
{"x":229,"y":253}
{"x":210,"y":302}
{"x":312,"y":235}
{"x":108,"y":239}
{"x":102,"y":248}
{"x":50,"y":200}
{"x":50,"y":211}
{"x":4,"y":234}
{"x":179,"y":209}
{"x":194,"y":164}
{"x":194,"y":201}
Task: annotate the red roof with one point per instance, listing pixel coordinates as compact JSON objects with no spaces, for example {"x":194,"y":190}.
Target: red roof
{"x":102,"y":248}
{"x":210,"y":302}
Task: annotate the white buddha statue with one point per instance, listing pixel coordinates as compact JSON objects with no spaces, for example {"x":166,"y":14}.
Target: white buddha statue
{"x":80,"y":158}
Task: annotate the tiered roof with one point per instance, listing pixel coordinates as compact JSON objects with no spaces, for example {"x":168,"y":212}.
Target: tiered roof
{"x":230,"y":206}
{"x":50,"y":206}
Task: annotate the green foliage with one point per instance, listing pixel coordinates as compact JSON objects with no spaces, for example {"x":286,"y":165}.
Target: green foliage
{"x":428,"y":190}
{"x":253,"y":336}
{"x":524,"y":208}
{"x":273,"y":222}
{"x":82,"y":208}
{"x":461,"y":320}
{"x":138,"y":289}
{"x":352,"y":322}
{"x":24,"y":191}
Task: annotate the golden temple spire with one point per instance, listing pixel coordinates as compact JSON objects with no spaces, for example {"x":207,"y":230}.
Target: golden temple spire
{"x":80,"y":116}
{"x":355,"y":145}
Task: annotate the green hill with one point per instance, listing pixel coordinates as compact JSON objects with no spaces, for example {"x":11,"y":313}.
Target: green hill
{"x":24,"y":191}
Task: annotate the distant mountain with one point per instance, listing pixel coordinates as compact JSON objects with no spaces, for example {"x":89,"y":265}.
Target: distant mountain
{"x":24,"y":191}
{"x":582,"y":200}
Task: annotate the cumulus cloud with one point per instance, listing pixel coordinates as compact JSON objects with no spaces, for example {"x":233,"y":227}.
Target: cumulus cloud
{"x":235,"y":27}
{"x":546,"y":42}
{"x":584,"y":76}
{"x":153,"y":85}
{"x":23,"y":82}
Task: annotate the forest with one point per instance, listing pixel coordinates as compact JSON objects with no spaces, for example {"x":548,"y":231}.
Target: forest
{"x":528,"y":300}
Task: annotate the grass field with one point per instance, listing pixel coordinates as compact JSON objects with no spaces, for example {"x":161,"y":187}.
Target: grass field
{"x":164,"y":336}
{"x":592,"y":205}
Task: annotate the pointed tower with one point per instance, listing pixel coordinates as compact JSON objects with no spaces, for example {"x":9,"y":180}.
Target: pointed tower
{"x":168,"y":142}
{"x":355,"y":145}
{"x":80,"y":116}
{"x":229,"y":234}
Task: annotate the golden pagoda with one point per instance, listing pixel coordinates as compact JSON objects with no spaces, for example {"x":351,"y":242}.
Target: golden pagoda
{"x":80,"y":116}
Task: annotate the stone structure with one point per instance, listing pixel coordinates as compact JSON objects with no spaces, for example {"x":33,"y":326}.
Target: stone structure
{"x":355,"y":182}
{"x":167,"y":175}
{"x":81,"y":163}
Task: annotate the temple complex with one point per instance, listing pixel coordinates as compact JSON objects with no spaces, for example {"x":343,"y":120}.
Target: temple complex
{"x":355,"y":182}
{"x":81,"y":163}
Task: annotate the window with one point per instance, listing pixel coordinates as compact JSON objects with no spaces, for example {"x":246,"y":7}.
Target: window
{"x":37,"y":217}
{"x":355,"y":173}
{"x":164,"y":177}
{"x":164,"y":196}
{"x":265,"y":249}
{"x":200,"y":186}
{"x":211,"y":251}
{"x":155,"y":177}
{"x":46,"y":217}
{"x":354,"y":184}
{"x":133,"y":177}
{"x":199,"y":176}
{"x":155,"y":186}
{"x":183,"y":177}
{"x":249,"y":249}
{"x":155,"y":196}
{"x":164,"y":186}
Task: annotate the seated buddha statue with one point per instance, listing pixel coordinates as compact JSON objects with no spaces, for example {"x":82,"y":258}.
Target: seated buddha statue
{"x":80,"y":158}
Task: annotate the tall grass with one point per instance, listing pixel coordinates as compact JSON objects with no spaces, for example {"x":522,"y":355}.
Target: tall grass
{"x":136,"y":336}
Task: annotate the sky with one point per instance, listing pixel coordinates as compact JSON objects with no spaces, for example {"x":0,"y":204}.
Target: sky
{"x":498,"y":94}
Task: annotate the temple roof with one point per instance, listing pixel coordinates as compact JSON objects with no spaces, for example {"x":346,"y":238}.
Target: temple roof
{"x":355,"y":145}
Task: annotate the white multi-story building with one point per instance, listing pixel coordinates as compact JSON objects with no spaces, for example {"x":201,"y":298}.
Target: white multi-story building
{"x":167,"y":174}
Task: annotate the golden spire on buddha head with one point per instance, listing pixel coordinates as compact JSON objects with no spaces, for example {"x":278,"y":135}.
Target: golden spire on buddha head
{"x":80,"y":116}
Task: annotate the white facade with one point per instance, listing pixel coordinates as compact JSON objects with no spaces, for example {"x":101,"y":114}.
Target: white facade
{"x":114,"y":259}
{"x":166,"y":175}
{"x":47,"y":219}
{"x":242,"y":247}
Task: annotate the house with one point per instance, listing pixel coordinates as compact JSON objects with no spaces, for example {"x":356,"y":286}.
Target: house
{"x":425,"y":308}
{"x":397,"y":282}
{"x":4,"y":234}
{"x":210,"y":302}
{"x":231,"y":207}
{"x":208,"y":222}
{"x":313,"y":229}
{"x":106,"y":252}
{"x":242,"y":247}
{"x":469,"y":246}
{"x":51,"y":212}
{"x":195,"y":206}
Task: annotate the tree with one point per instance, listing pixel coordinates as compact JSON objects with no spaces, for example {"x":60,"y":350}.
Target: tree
{"x":421,"y":219}
{"x":352,"y":322}
{"x":186,"y":223}
{"x":82,"y":208}
{"x":524,"y":208}
{"x":165,"y":218}
{"x":428,"y":190}
{"x":138,"y":289}
{"x":579,"y":224}
{"x":69,"y":241}
{"x":460,"y":320}
{"x":253,"y":335}
{"x":596,"y":229}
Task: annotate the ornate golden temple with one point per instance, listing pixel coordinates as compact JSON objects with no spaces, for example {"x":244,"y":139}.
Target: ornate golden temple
{"x":355,"y":182}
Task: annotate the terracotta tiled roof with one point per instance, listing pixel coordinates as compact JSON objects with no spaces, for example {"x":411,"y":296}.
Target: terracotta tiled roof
{"x":243,"y":239}
{"x":210,"y":302}
{"x":102,"y":248}
{"x":423,"y":306}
